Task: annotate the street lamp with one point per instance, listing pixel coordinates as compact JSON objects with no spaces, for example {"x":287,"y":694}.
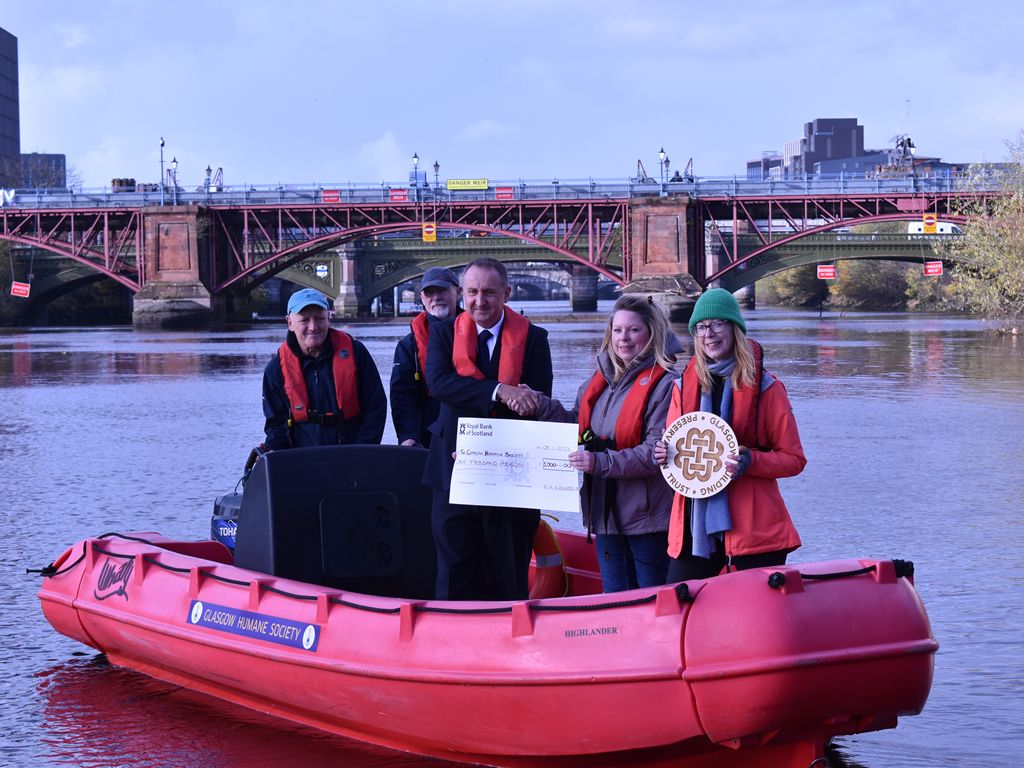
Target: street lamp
{"x":415,"y":175}
{"x":209,"y":170}
{"x":437,"y":167}
{"x":661,"y":162}
{"x":161,"y":170}
{"x":174,"y":178}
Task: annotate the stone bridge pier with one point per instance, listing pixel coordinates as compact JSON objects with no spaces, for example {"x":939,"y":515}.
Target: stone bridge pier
{"x":175,"y":254}
{"x":663,"y":244}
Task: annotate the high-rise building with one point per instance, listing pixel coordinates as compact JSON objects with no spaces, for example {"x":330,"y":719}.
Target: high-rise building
{"x":10,"y":130}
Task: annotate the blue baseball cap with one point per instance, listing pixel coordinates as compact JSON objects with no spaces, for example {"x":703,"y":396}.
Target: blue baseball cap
{"x":307,"y":297}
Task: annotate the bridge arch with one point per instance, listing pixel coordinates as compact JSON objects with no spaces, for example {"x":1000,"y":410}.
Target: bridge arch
{"x":257,"y":273}
{"x":766,"y":260}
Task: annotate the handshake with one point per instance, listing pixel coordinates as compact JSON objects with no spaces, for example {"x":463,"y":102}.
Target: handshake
{"x":521,"y":400}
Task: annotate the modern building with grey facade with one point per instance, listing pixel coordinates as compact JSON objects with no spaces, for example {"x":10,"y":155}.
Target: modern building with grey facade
{"x":10,"y":129}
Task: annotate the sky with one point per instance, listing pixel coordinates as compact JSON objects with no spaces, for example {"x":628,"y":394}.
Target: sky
{"x":328,"y":91}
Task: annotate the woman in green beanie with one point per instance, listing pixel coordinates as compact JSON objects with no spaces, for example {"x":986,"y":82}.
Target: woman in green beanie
{"x":746,"y":525}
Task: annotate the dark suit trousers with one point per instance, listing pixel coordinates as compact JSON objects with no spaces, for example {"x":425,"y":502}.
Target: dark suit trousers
{"x":483,"y":553}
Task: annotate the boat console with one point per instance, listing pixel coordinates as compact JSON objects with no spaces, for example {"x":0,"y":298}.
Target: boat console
{"x":353,"y":517}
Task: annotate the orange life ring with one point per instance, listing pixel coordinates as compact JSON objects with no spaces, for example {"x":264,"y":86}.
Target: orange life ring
{"x":549,"y":576}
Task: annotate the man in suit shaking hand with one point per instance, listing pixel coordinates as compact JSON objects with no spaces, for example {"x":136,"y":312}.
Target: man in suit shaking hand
{"x":475,"y":366}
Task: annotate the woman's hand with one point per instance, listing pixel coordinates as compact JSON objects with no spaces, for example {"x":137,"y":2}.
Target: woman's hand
{"x":737,"y":463}
{"x":661,"y":453}
{"x":584,"y":461}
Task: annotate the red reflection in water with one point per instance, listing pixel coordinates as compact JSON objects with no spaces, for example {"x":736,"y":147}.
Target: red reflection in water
{"x":96,"y":715}
{"x":22,"y":368}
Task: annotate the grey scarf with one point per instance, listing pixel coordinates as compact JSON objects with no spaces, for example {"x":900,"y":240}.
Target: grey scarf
{"x":710,"y":517}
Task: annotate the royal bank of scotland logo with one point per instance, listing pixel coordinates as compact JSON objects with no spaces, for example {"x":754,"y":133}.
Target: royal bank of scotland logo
{"x":699,"y":455}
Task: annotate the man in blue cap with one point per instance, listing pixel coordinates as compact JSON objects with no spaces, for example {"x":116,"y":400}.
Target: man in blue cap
{"x":413,"y":409}
{"x":322,"y":387}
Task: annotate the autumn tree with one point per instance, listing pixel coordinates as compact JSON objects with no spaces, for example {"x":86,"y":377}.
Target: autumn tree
{"x":988,"y":277}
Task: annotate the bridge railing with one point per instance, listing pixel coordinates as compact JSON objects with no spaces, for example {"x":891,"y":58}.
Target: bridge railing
{"x":505,"y":190}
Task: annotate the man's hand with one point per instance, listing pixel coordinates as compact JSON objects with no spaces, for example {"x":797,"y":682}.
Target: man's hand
{"x":522,"y":400}
{"x":409,"y":443}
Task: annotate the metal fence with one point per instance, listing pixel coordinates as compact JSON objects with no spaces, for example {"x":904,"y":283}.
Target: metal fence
{"x":141,"y":195}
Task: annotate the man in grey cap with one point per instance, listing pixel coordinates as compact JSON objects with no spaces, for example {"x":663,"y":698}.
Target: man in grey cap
{"x":413,"y":410}
{"x":322,"y":387}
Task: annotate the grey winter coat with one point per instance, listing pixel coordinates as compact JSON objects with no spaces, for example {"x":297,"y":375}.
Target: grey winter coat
{"x":642,"y":499}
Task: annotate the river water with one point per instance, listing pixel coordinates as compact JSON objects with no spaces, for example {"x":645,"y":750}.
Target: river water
{"x":912,"y":425}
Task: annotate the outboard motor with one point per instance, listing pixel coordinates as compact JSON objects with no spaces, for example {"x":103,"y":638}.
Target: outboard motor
{"x":224,"y":523}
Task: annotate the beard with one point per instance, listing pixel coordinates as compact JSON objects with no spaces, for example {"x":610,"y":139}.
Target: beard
{"x":441,"y":313}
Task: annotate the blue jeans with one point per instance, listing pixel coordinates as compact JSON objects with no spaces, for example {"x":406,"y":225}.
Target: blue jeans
{"x":628,"y":562}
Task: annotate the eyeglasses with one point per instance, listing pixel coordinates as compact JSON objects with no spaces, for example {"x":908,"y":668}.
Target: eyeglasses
{"x":718,"y":326}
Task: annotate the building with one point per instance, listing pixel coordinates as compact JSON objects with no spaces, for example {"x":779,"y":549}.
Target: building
{"x":10,"y":129}
{"x":43,"y":171}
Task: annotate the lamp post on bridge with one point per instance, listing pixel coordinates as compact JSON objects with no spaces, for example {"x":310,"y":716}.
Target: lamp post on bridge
{"x":415,"y":175}
{"x":661,"y":163}
{"x":437,"y":167}
{"x":161,"y":170}
{"x":174,"y":178}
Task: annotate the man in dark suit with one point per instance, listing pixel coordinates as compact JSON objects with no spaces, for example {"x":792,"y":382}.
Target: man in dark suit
{"x":475,"y":365}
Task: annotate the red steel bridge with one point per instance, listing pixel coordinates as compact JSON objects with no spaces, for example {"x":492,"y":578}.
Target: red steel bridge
{"x":678,"y":237}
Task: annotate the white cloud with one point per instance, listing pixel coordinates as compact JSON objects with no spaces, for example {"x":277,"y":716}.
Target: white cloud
{"x":484,"y":129}
{"x":73,"y":36}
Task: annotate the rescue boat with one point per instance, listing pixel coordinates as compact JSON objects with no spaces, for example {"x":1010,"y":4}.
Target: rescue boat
{"x":323,"y":615}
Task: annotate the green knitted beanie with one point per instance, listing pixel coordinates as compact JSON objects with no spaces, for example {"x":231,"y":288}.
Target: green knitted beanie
{"x":717,"y":304}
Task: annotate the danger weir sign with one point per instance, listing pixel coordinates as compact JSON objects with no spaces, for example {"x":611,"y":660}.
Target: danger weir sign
{"x":21,"y":289}
{"x":826,"y":271}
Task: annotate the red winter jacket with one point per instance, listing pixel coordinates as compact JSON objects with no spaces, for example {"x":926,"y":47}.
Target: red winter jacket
{"x":760,"y":520}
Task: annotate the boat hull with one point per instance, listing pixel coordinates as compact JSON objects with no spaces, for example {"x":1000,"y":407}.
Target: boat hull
{"x":656,"y":673}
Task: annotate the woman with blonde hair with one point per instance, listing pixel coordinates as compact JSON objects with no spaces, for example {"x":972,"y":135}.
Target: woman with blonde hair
{"x":745,"y":525}
{"x":621,"y":414}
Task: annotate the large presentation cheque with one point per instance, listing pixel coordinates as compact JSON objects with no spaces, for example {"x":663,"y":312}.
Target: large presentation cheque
{"x":511,"y":463}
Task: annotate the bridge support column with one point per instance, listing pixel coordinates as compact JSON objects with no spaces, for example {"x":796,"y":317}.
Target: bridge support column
{"x":350,"y":301}
{"x":662,"y":252}
{"x":746,"y":297}
{"x":583,"y":289}
{"x":174,"y":247}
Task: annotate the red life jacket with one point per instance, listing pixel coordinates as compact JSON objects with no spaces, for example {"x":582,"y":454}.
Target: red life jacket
{"x":629,"y":425}
{"x":343,"y":366}
{"x":513,"y":348}
{"x":421,"y":333}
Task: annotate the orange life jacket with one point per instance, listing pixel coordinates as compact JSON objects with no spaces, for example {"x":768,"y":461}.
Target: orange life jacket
{"x":343,"y":366}
{"x":421,"y":333}
{"x":629,"y":425}
{"x":513,"y":348}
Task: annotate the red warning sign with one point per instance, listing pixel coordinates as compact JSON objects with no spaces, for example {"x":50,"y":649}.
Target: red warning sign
{"x":398,"y":195}
{"x":331,"y":195}
{"x":21,"y":289}
{"x":933,"y":268}
{"x":826,"y":271}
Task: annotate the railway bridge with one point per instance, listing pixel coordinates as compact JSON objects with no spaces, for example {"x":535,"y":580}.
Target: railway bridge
{"x":181,"y":261}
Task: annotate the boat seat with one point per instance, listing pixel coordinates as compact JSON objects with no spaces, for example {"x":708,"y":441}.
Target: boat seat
{"x":354,"y":517}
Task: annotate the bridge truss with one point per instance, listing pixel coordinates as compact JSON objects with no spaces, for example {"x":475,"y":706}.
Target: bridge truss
{"x":251,"y":243}
{"x":108,"y":241}
{"x":779,"y":220}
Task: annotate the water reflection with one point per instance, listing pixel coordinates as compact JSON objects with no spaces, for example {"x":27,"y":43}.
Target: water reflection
{"x":96,"y":716}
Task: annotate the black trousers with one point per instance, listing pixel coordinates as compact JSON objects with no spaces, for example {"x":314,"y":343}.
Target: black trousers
{"x":483,"y":553}
{"x":686,"y":567}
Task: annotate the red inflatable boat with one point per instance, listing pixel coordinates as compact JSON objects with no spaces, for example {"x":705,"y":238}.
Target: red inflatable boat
{"x":757,"y":668}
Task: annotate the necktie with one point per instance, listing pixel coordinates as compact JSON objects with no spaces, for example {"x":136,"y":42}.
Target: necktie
{"x":483,"y":353}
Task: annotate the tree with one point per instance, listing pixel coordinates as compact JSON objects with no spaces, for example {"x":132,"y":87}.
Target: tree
{"x":989,"y":275}
{"x":797,"y":287}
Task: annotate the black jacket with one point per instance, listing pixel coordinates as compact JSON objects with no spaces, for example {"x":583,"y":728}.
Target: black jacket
{"x":464,"y":396}
{"x":318,"y":372}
